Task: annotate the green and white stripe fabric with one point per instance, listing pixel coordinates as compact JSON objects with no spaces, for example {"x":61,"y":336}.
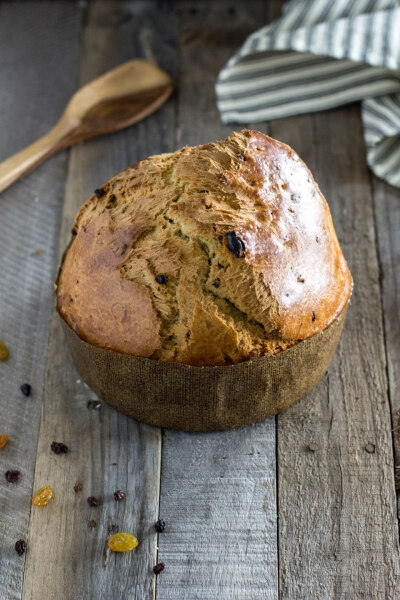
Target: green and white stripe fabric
{"x":318,"y":55}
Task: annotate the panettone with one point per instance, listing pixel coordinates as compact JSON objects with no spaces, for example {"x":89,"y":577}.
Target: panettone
{"x":211,"y":256}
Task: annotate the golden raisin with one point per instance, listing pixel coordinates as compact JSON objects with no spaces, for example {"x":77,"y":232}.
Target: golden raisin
{"x":3,"y":351}
{"x":3,"y":439}
{"x":122,"y":542}
{"x":42,"y":496}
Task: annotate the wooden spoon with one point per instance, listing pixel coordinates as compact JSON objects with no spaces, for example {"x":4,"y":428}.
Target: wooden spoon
{"x":115,"y":100}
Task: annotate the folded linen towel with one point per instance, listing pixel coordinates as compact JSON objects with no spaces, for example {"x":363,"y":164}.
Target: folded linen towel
{"x":320,"y":54}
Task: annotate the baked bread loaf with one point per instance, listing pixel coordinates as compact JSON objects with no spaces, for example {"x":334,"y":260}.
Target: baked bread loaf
{"x":207,"y":256}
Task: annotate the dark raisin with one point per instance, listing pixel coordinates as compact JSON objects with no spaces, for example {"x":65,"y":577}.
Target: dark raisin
{"x":241,"y":157}
{"x":171,"y":220}
{"x":203,"y":192}
{"x":158,"y":568}
{"x":370,"y":448}
{"x":216,"y":283}
{"x":99,"y":192}
{"x":188,"y":333}
{"x":12,"y":475}
{"x":20,"y":547}
{"x":92,"y":501}
{"x":163,"y":279}
{"x":94,"y":404}
{"x":119,"y":495}
{"x":78,"y":487}
{"x":313,"y":447}
{"x":74,"y":231}
{"x":92,"y":523}
{"x":112,"y":198}
{"x":209,"y":261}
{"x":59,"y":448}
{"x":235,"y":244}
{"x":314,"y":316}
{"x":159,"y":526}
{"x":300,"y":278}
{"x":26,"y":389}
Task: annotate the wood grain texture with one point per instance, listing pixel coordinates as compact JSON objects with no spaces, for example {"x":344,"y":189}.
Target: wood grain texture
{"x":387,"y":219}
{"x":217,"y":490}
{"x":107,"y":450}
{"x":337,"y":521}
{"x":39,"y":52}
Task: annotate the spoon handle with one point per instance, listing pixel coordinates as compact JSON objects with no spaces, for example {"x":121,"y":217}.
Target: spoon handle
{"x":30,"y":157}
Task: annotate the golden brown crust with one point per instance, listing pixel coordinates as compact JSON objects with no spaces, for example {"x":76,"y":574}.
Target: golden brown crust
{"x":243,"y":235}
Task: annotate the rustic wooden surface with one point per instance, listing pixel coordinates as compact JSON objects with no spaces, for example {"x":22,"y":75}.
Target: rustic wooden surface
{"x":39,"y":67}
{"x":250,"y":513}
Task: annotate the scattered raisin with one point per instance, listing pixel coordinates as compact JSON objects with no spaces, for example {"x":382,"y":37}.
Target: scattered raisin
{"x":112,"y":197}
{"x":92,"y":523}
{"x":74,"y":232}
{"x":122,"y":542}
{"x":241,"y":157}
{"x":12,"y":475}
{"x":3,"y":351}
{"x":119,"y":495}
{"x":94,"y":404}
{"x":59,"y":448}
{"x":313,"y":447}
{"x":370,"y":448}
{"x":163,"y":279}
{"x":235,"y":244}
{"x":300,"y":279}
{"x":92,"y":501}
{"x":203,"y":192}
{"x":216,"y":283}
{"x":78,"y":487}
{"x":314,"y":316}
{"x":20,"y":547}
{"x":158,"y":568}
{"x":170,"y":220}
{"x":188,"y":334}
{"x":159,"y":526}
{"x":99,"y":192}
{"x":43,"y":496}
{"x":3,"y":439}
{"x":26,"y":389}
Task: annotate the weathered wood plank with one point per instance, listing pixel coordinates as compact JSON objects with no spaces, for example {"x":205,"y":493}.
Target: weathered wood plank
{"x":337,"y":522}
{"x":387,"y":219}
{"x":39,"y":50}
{"x":107,"y":450}
{"x":217,"y":490}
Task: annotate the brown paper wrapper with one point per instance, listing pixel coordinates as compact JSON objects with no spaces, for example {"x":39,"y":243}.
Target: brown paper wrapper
{"x":180,"y":396}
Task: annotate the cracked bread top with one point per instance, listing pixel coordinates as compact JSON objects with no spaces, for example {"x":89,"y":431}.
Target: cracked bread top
{"x":206,"y":256}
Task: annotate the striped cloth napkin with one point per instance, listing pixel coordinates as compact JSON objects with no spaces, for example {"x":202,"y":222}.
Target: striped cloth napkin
{"x":317,"y":55}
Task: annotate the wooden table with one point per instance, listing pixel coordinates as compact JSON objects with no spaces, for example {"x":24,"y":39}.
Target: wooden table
{"x":252,"y":513}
